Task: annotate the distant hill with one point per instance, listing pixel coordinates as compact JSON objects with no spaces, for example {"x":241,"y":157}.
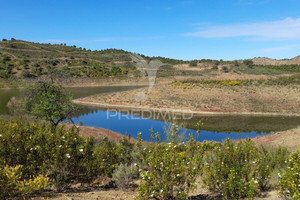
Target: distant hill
{"x":23,"y":59}
{"x":27,"y":59}
{"x":269,"y":61}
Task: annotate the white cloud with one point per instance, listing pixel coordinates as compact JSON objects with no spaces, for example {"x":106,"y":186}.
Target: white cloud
{"x":279,"y":49}
{"x":286,"y":29}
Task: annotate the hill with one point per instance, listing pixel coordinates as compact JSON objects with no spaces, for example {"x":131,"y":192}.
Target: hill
{"x":269,"y":61}
{"x":27,"y":60}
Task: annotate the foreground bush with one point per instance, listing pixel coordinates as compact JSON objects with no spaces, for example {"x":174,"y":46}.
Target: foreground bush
{"x":107,"y":156}
{"x":289,"y":182}
{"x":239,"y":170}
{"x":40,"y":149}
{"x":60,"y":154}
{"x":168,"y":171}
{"x":124,"y":175}
{"x":11,"y":183}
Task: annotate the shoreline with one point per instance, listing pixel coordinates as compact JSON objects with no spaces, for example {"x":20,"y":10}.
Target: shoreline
{"x":287,"y":138}
{"x":98,"y":132}
{"x":182,"y":111}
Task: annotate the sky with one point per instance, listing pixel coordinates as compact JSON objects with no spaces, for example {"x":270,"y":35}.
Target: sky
{"x":181,"y":29}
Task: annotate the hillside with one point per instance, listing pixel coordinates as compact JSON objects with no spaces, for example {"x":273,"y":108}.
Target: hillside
{"x":269,"y":61}
{"x":27,"y":60}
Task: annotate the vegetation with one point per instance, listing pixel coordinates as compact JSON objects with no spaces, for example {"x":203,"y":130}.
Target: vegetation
{"x":124,"y":175}
{"x":58,"y":154}
{"x":289,"y":182}
{"x":49,"y":102}
{"x":12,"y":184}
{"x":193,"y":63}
{"x":33,"y":156}
{"x":27,"y":60}
{"x":284,"y":80}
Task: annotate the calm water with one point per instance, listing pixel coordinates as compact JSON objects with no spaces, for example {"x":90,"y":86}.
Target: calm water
{"x":215,"y":128}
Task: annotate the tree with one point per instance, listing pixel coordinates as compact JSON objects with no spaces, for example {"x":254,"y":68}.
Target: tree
{"x":49,"y":102}
{"x":193,"y":63}
{"x":248,"y":63}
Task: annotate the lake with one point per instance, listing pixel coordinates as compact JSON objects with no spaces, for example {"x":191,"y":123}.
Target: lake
{"x":215,"y":128}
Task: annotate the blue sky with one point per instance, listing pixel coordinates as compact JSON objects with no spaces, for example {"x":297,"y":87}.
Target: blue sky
{"x":183,"y":29}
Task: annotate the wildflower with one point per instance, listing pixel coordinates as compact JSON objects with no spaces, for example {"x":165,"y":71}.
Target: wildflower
{"x":177,"y":175}
{"x":161,"y":191}
{"x":255,"y":181}
{"x":279,"y":175}
{"x":81,"y":150}
{"x":68,"y":155}
{"x":60,"y":146}
{"x":0,"y":135}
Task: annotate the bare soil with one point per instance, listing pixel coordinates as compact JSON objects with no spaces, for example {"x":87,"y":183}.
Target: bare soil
{"x":289,"y":139}
{"x":98,"y":133}
{"x":232,"y":99}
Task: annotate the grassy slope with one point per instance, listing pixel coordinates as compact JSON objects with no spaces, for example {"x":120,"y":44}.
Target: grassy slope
{"x":22,"y":59}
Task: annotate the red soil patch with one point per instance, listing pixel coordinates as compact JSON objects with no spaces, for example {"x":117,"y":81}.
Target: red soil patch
{"x":98,"y":133}
{"x":289,"y":139}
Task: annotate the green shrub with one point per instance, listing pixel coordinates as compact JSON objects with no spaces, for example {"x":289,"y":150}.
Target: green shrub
{"x":60,"y":154}
{"x":168,"y":171}
{"x":107,"y":155}
{"x":124,"y":175}
{"x":12,"y":184}
{"x":237,"y":170}
{"x":289,"y":181}
{"x":193,"y":63}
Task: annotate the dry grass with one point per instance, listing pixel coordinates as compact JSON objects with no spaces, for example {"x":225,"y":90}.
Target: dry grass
{"x":277,"y":99}
{"x":289,"y":139}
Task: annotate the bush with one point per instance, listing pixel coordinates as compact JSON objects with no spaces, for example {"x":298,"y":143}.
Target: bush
{"x":239,"y":170}
{"x":193,"y":63}
{"x":107,"y":156}
{"x":168,"y":171}
{"x":61,"y":154}
{"x":11,"y":183}
{"x":124,"y":175}
{"x":289,"y":182}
